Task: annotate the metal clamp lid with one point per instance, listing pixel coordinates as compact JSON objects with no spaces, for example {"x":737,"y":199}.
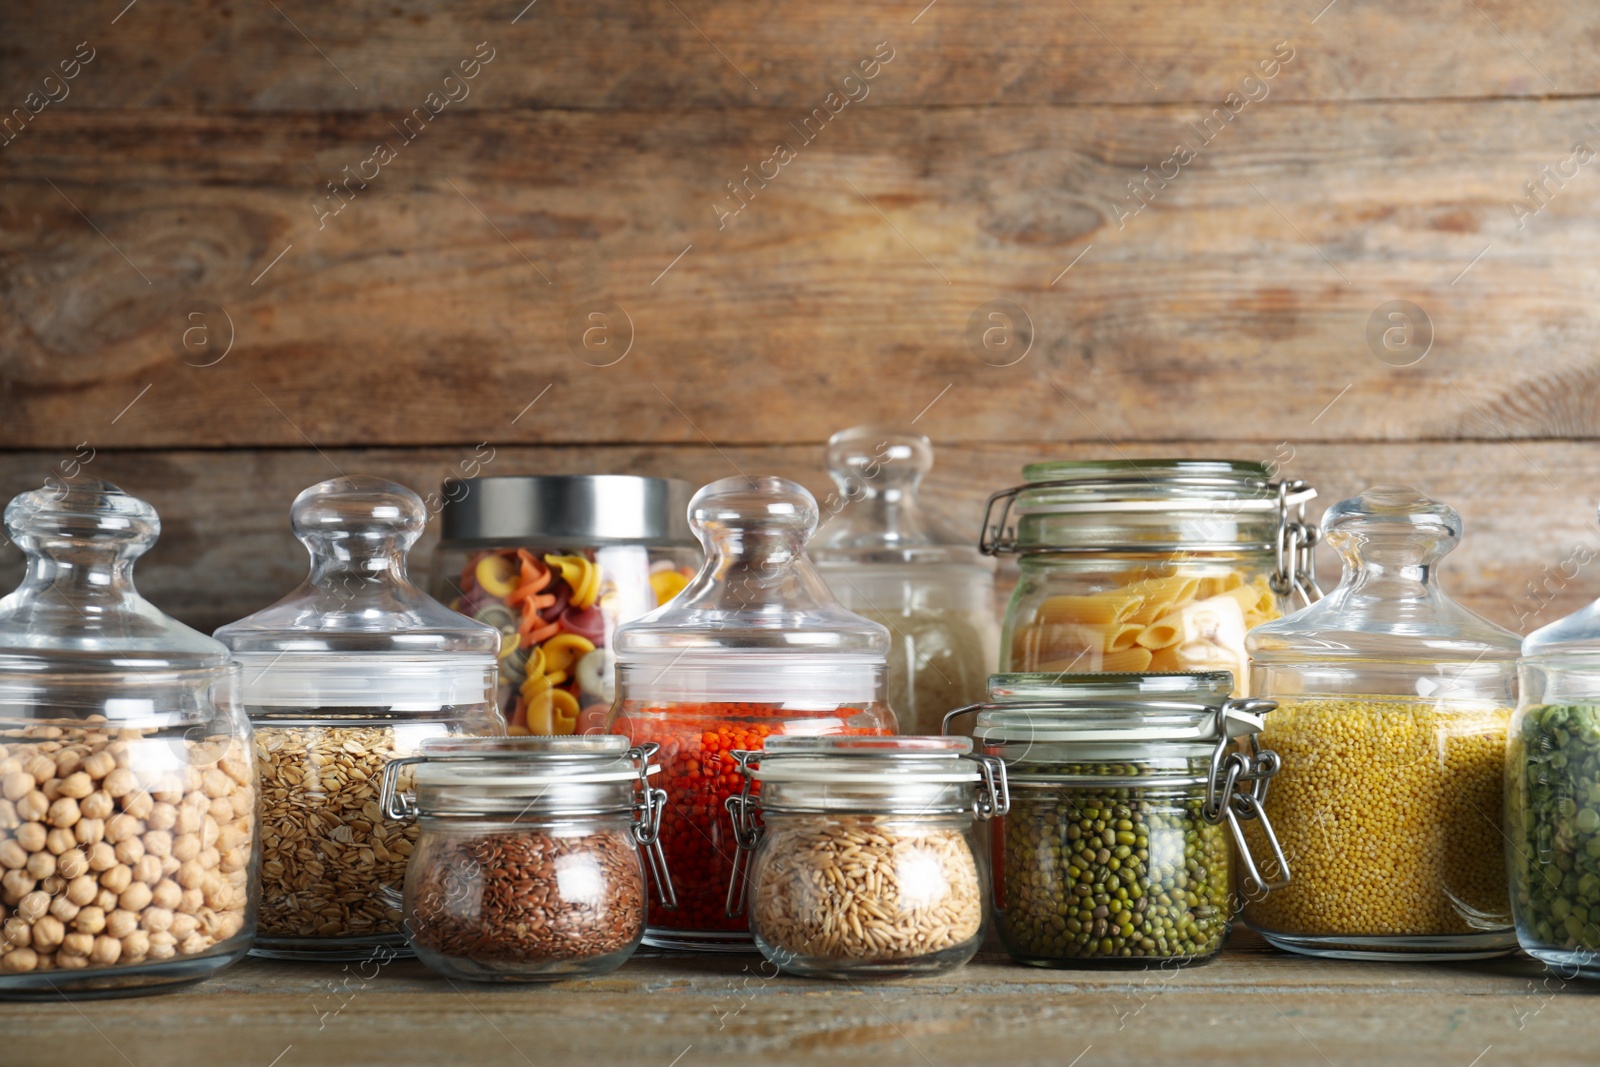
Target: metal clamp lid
{"x":1293,"y":548}
{"x":646,"y":808}
{"x":1231,"y":769}
{"x":992,"y":800}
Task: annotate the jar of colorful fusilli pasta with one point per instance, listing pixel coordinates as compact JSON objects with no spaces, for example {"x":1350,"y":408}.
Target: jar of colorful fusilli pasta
{"x":1148,"y":565}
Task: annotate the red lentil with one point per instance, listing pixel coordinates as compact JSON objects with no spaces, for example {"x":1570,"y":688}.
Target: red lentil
{"x":698,"y":775}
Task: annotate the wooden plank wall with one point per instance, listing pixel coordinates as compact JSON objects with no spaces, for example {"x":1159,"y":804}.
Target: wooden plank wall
{"x":244,"y":246}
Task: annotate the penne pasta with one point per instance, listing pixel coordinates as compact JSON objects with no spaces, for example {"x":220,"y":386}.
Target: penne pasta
{"x":1101,"y":609}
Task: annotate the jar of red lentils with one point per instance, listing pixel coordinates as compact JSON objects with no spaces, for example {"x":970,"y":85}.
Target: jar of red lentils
{"x":754,"y":647}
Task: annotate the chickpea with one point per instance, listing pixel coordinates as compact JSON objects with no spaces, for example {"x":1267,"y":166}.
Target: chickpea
{"x":17,"y":785}
{"x":8,"y":815}
{"x":76,"y":786}
{"x":97,"y":805}
{"x":120,"y":782}
{"x":123,"y":826}
{"x":136,"y":897}
{"x":33,"y":807}
{"x":135,"y":946}
{"x":106,"y":950}
{"x":158,"y":843}
{"x":64,"y":812}
{"x":102,"y":857}
{"x":53,"y":885}
{"x":82,"y":890}
{"x":121,"y":923}
{"x":72,"y":962}
{"x":105,"y":899}
{"x":183,"y":925}
{"x":193,"y":900}
{"x":32,"y":836}
{"x":162,"y":817}
{"x":72,"y":863}
{"x":195,"y":942}
{"x":189,"y":818}
{"x":19,"y":961}
{"x":42,"y":767}
{"x":89,"y":831}
{"x":138,"y":804}
{"x":220,"y":810}
{"x":18,"y":932}
{"x":68,"y":762}
{"x":191,"y":875}
{"x":117,"y":878}
{"x":209,"y":858}
{"x":100,"y":764}
{"x":15,"y":885}
{"x":155,"y":919}
{"x":147,"y":870}
{"x":90,"y":920}
{"x":166,"y":894}
{"x":186,"y":847}
{"x":235,"y":859}
{"x":41,"y":865}
{"x":48,"y":932}
{"x":163,"y":945}
{"x":78,"y":943}
{"x":12,"y":855}
{"x":59,"y":840}
{"x":33,"y":905}
{"x":51,"y":789}
{"x":130,"y":850}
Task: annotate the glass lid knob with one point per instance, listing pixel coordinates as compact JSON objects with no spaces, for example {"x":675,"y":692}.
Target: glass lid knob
{"x":1393,"y":524}
{"x":763,"y":516}
{"x":79,"y":520}
{"x":875,"y":460}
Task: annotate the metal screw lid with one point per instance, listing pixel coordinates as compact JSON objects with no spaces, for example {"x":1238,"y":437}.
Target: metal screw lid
{"x":581,"y":508}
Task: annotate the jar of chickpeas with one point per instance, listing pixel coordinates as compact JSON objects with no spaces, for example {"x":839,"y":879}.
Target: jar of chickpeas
{"x":128,"y":845}
{"x":1393,"y":708}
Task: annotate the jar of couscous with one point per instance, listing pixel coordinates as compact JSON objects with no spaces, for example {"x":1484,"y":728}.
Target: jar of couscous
{"x":1393,"y":706}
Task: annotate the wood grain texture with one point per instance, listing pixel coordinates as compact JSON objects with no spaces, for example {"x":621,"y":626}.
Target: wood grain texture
{"x":221,"y":55}
{"x":451,"y":291}
{"x":226,"y":549}
{"x":1250,"y":1006}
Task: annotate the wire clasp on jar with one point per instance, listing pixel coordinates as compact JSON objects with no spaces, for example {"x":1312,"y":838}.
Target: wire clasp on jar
{"x":647,"y":811}
{"x":1295,"y":548}
{"x":1236,"y":788}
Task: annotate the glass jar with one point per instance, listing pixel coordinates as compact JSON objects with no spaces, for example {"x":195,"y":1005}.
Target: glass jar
{"x":754,"y":647}
{"x":1148,"y":565}
{"x":528,"y":865}
{"x":556,"y":563}
{"x":351,"y":669}
{"x":1115,"y":851}
{"x":128,"y":844}
{"x":1393,"y":707}
{"x":862,"y":853}
{"x":1552,"y":796}
{"x":887,"y":561}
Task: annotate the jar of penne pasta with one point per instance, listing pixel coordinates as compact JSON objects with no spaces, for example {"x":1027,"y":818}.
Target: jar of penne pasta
{"x":1148,"y":565}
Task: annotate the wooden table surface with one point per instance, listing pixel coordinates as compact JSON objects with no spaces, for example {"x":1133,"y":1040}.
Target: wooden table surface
{"x":1252,"y":1006}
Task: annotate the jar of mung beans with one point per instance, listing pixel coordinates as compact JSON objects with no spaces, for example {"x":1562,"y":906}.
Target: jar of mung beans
{"x":1393,"y":708}
{"x":1125,"y":792}
{"x":862,"y":854}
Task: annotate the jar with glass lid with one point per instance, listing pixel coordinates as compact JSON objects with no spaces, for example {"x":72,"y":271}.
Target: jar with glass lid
{"x":128,"y":844}
{"x":1125,"y":792}
{"x":859,"y":855}
{"x":351,"y":669}
{"x":888,"y":561}
{"x":556,"y":562}
{"x":754,"y":647}
{"x":1552,"y":781}
{"x":531,"y":856}
{"x":1148,"y":565}
{"x":1393,"y":706}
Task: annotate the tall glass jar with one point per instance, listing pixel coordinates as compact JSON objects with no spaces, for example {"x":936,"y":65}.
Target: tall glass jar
{"x":1393,"y":707}
{"x":1148,"y":565}
{"x":862,"y":852}
{"x":556,"y":562}
{"x":530,"y":865}
{"x":1124,"y":791}
{"x":351,"y":669}
{"x":1552,"y":796}
{"x":889,"y":562}
{"x":754,"y":647}
{"x":128,"y":845}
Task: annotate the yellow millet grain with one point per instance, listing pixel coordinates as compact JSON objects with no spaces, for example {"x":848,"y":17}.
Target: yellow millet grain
{"x":1389,"y":815}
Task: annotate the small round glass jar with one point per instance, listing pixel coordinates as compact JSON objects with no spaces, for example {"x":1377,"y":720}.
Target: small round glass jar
{"x":1125,"y":790}
{"x":886,"y":560}
{"x":556,"y":563}
{"x":1393,"y":704}
{"x":1552,"y":796}
{"x":530,"y":863}
{"x":1149,"y":564}
{"x":128,"y":842}
{"x":862,"y":853}
{"x":755,"y":647}
{"x":351,"y":669}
